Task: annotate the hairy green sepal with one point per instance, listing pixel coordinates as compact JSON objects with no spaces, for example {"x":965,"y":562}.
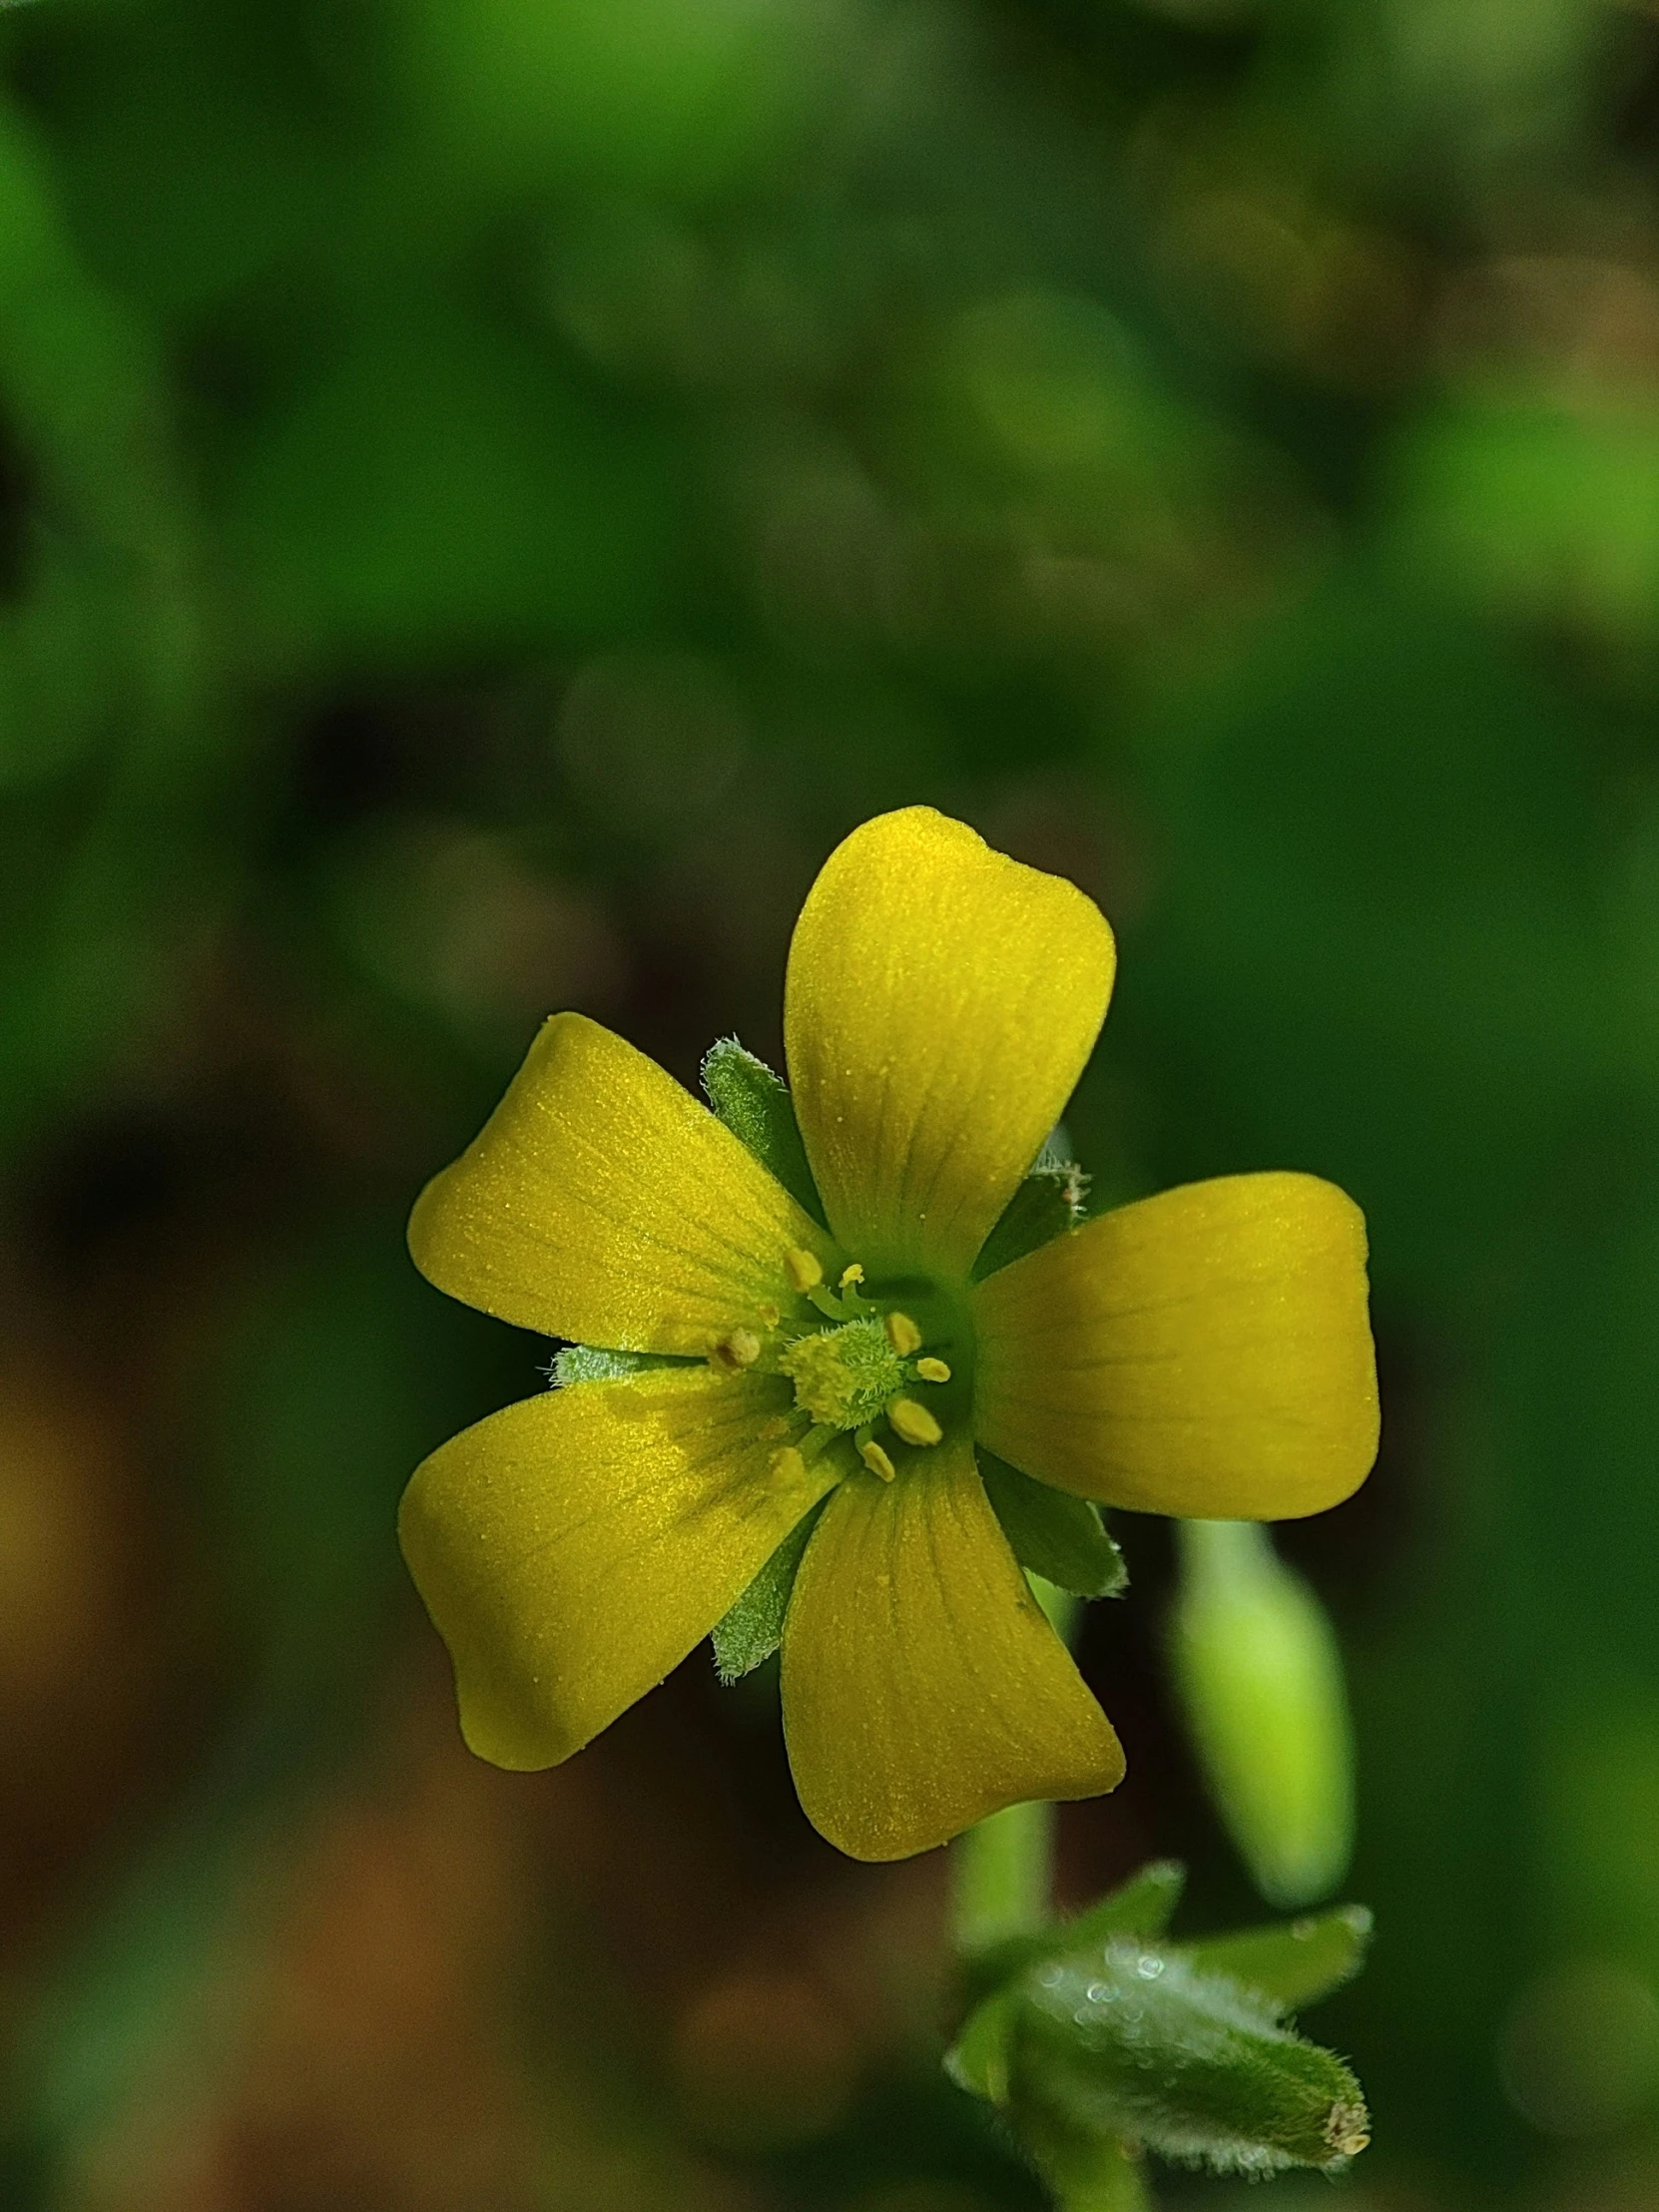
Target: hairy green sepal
{"x":1056,"y":1536}
{"x":573,"y":1363}
{"x":751,"y":1631}
{"x":1141,"y":2044}
{"x":1105,"y":2036}
{"x":1142,"y":1905}
{"x":1295,"y":1961}
{"x":755,"y":1106}
{"x":1049,"y":1202}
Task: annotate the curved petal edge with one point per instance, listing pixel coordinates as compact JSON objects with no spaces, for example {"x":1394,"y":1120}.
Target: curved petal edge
{"x":573,"y":1548}
{"x":1205,"y":1354}
{"x":602,"y":1203}
{"x":924,"y":1688}
{"x":940,"y":1003}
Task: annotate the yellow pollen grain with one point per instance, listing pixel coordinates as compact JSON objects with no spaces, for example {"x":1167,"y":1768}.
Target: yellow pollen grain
{"x":741,"y":1349}
{"x":786,"y":1468}
{"x":878,"y":1462}
{"x":769,"y":1316}
{"x":932,"y":1371}
{"x":803,"y":1269}
{"x":773,"y":1428}
{"x":849,"y":1276}
{"x":903,"y":1335}
{"x":914,"y":1423}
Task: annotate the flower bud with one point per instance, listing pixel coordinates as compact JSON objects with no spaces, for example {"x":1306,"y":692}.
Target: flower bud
{"x":1138,"y":2044}
{"x":1261,"y":1678}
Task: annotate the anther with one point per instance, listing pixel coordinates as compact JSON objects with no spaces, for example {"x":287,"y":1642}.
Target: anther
{"x":903,"y":1335}
{"x":739,"y":1349}
{"x":849,"y":1276}
{"x":786,"y":1468}
{"x":932,"y":1371}
{"x":914,"y":1423}
{"x":803,"y":1269}
{"x":1347,"y":2129}
{"x":878,"y":1462}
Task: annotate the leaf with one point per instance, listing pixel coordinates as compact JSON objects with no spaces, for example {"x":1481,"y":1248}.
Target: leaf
{"x":979,"y":2059}
{"x":755,"y":1106}
{"x":1139,"y":2044}
{"x":1047,"y":1204}
{"x":1139,"y":1906}
{"x":1142,"y":1905}
{"x":1055,"y":1534}
{"x":754,"y":1628}
{"x":1296,"y":1962}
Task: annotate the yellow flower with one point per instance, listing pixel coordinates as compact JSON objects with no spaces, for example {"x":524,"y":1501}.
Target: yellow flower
{"x":1204,"y":1352}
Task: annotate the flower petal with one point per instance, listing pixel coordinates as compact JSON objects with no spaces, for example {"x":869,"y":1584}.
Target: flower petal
{"x":941,"y":1001}
{"x":922,"y":1687}
{"x":602,"y":1203}
{"x":1205,"y":1354}
{"x":571,"y":1548}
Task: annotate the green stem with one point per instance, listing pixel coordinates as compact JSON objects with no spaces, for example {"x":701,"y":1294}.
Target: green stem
{"x":1002,"y":1871}
{"x":1002,"y":1874}
{"x":1113,"y":2182}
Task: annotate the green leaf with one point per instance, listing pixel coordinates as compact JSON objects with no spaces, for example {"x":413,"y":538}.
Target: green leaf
{"x":1142,"y":1905}
{"x":1137,"y":2043}
{"x":1055,"y":1534}
{"x":755,"y":1106}
{"x":751,"y":1631}
{"x":1139,"y":1906}
{"x":574,"y":1364}
{"x":981,"y":2058}
{"x":1048,"y":1202}
{"x":1295,"y":1961}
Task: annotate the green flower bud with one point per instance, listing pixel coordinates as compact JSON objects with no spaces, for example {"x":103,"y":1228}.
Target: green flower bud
{"x":1261,"y":1677}
{"x":1138,"y":2044}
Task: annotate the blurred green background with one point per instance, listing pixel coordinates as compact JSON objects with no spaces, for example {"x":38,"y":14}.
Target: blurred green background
{"x":489,"y":491}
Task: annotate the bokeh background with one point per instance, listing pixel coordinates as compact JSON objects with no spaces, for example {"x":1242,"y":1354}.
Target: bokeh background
{"x":489,"y":491}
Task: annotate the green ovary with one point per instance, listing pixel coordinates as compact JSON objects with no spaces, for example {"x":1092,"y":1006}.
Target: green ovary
{"x":845,"y":1377}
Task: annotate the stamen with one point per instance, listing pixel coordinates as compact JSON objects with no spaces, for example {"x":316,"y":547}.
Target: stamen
{"x":903,"y":1335}
{"x":914,"y":1423}
{"x":1346,"y":2130}
{"x":878,"y":1462}
{"x":849,"y":1276}
{"x":803,"y":1269}
{"x":932,"y":1371}
{"x":739,"y":1349}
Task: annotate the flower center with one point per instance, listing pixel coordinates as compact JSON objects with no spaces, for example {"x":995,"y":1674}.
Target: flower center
{"x":866,"y":1362}
{"x":845,"y":1377}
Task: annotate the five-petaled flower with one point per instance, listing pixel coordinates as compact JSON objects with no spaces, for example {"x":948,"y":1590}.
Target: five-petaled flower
{"x":1205,"y":1352}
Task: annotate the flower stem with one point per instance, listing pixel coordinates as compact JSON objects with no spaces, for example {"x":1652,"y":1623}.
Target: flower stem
{"x":1111,"y":2181}
{"x":1002,"y":1871}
